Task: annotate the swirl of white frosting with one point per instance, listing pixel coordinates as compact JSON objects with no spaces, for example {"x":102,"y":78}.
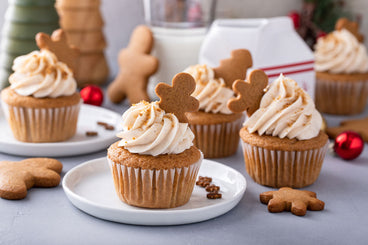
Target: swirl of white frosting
{"x":40,"y":74}
{"x":148,"y":130}
{"x":211,"y":93}
{"x":340,"y":52}
{"x":286,"y":110}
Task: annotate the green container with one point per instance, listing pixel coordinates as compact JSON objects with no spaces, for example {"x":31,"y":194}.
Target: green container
{"x":18,"y":30}
{"x":18,"y":46}
{"x":30,"y":3}
{"x":24,"y":14}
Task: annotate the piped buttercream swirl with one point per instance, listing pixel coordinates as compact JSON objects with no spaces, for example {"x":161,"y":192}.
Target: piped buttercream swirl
{"x":40,"y":74}
{"x":340,"y":52}
{"x":211,"y":93}
{"x":148,"y":130}
{"x":286,"y":110}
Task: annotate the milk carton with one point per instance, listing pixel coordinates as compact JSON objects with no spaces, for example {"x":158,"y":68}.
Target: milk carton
{"x":274,"y":44}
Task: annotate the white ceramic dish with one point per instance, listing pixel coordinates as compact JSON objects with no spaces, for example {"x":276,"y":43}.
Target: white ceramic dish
{"x":89,"y":187}
{"x":78,"y":144}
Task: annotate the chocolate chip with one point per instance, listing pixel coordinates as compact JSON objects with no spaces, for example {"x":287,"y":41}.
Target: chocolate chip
{"x":106,"y":125}
{"x":91,"y":133}
{"x":102,"y":123}
{"x":109,"y":127}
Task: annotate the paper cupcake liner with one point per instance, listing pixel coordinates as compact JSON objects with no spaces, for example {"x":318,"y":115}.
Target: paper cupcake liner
{"x":154,"y":188}
{"x":217,"y":140}
{"x":277,"y":168}
{"x":42,"y":124}
{"x":341,"y":97}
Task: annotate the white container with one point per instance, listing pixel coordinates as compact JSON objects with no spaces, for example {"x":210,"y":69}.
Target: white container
{"x":176,"y":49}
{"x":274,"y":44}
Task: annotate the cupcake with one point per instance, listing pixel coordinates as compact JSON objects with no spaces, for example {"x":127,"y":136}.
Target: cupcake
{"x":282,"y":141}
{"x":214,"y":125}
{"x":42,"y":103}
{"x":155,"y":164}
{"x":341,"y":64}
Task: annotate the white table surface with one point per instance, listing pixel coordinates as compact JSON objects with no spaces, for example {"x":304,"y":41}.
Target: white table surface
{"x":46,"y":216}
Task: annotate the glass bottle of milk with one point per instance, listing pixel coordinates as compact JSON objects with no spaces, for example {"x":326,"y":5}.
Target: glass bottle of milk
{"x":179,"y":27}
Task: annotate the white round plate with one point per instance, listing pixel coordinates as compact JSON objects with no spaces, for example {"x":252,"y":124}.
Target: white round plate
{"x":90,"y":187}
{"x":79,"y":144}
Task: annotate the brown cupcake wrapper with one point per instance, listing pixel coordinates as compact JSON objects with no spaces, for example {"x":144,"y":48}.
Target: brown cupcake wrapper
{"x":341,"y":97}
{"x":278,"y":168}
{"x":217,"y":140}
{"x":154,"y":188}
{"x":42,"y":124}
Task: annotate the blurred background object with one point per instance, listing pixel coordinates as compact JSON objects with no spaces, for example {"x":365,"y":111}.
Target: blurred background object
{"x":318,"y":17}
{"x":122,"y":16}
{"x":179,"y":13}
{"x":22,"y":20}
{"x":178,"y":27}
{"x":82,"y":22}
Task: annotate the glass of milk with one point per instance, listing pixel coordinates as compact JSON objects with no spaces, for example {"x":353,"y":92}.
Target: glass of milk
{"x":179,"y":27}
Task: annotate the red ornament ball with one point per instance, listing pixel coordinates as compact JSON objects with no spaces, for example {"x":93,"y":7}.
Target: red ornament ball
{"x":348,"y":145}
{"x":92,"y":95}
{"x":295,"y":17}
{"x":321,"y":34}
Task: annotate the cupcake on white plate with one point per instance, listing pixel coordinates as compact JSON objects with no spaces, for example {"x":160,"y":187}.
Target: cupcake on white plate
{"x":155,"y":164}
{"x":42,"y":102}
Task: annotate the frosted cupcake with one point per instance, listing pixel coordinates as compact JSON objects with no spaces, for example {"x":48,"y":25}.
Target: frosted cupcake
{"x":214,"y":125}
{"x":42,"y":103}
{"x":282,"y":141}
{"x":155,"y":164}
{"x":341,"y":64}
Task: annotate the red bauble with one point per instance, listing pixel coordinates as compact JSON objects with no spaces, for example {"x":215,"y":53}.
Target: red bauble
{"x":295,"y":17}
{"x":348,"y":145}
{"x":92,"y":95}
{"x":321,"y":34}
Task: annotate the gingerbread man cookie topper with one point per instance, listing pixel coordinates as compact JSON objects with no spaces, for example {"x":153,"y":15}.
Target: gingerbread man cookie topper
{"x":249,"y":93}
{"x":177,"y":98}
{"x":357,"y":125}
{"x":136,"y":66}
{"x":17,"y":177}
{"x":235,"y":67}
{"x":288,"y":199}
{"x":58,"y":44}
{"x":351,"y":26}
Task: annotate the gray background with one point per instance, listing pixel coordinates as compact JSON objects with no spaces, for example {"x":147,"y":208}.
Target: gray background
{"x":121,"y":16}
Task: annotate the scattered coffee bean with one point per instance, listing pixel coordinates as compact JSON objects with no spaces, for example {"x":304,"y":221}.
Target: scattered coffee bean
{"x":212,"y":188}
{"x":202,"y":183}
{"x":214,"y":195}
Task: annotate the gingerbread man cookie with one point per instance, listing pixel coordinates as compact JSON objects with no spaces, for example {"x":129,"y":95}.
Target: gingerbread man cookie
{"x":249,"y":93}
{"x":235,"y":67}
{"x":58,"y":44}
{"x":288,"y":199}
{"x":177,"y":98}
{"x":17,"y":177}
{"x":352,"y":26}
{"x":136,"y":66}
{"x":358,"y":125}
